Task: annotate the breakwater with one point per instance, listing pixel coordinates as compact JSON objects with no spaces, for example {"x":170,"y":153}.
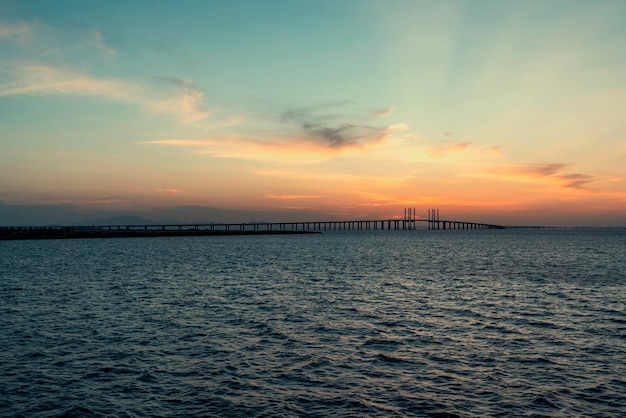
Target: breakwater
{"x":71,"y":232}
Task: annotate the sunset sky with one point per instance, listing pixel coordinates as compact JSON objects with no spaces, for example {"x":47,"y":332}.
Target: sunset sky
{"x":509,"y":112}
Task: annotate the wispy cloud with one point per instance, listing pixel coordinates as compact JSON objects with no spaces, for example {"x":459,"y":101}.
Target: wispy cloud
{"x":371,"y":180}
{"x":283,"y":149}
{"x":169,"y":191}
{"x":96,"y":40}
{"x":541,"y":170}
{"x":168,"y":96}
{"x":382,"y":113}
{"x":45,"y":80}
{"x":112,"y":201}
{"x":303,"y":136}
{"x":495,"y":150}
{"x":182,"y":142}
{"x":293,"y":196}
{"x":275,"y":146}
{"x":576,"y":180}
{"x":19,"y":32}
{"x":375,"y":199}
{"x":327,"y":131}
{"x":188,"y":101}
{"x":179,"y":98}
{"x":446,"y":148}
{"x":459,"y":150}
{"x":551,"y":171}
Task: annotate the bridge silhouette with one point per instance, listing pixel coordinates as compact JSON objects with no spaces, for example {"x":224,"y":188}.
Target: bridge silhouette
{"x":409,"y":221}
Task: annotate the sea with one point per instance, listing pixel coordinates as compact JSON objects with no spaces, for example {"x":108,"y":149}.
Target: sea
{"x":415,"y":323}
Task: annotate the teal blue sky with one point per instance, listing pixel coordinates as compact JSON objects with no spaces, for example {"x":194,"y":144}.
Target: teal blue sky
{"x":508,"y":111}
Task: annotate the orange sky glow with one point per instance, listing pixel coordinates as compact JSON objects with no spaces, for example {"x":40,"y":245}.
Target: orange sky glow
{"x":495,"y":112}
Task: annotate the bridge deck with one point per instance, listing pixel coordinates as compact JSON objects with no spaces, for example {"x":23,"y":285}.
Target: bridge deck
{"x":51,"y":232}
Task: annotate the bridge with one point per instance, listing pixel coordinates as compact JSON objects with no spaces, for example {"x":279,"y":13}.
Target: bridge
{"x":410,"y":221}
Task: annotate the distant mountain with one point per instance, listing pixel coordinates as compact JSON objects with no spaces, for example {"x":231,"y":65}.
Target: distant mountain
{"x":118,"y":220}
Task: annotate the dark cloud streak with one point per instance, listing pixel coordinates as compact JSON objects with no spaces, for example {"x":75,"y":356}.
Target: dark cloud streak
{"x":576,"y":180}
{"x":321,"y":129}
{"x":545,"y":169}
{"x":573,"y":180}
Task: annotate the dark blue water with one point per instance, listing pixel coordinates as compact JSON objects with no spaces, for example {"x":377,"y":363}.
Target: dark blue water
{"x":345,"y":324}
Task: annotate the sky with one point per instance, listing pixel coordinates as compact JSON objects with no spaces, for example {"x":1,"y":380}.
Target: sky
{"x":508,"y":112}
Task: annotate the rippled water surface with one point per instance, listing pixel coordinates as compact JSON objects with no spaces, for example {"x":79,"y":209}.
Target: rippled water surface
{"x":346,"y":324}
